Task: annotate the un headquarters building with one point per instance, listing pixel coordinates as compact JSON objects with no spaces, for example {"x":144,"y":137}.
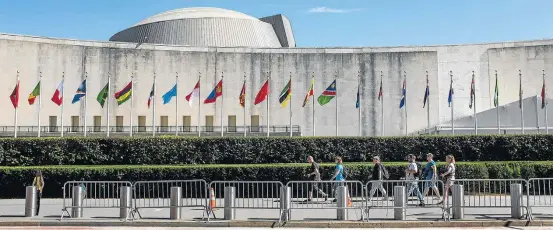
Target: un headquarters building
{"x":162,"y":71}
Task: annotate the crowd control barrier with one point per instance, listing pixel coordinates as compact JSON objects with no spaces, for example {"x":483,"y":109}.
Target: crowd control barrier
{"x":81,"y":195}
{"x":488,"y":193}
{"x":172,"y":194}
{"x":540,"y":195}
{"x":339,"y":195}
{"x":402,"y":195}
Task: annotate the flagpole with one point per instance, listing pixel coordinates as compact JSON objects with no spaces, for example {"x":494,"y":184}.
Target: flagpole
{"x":85,"y":102}
{"x":290,"y":102}
{"x":154,"y":107}
{"x":244,"y":105}
{"x":62,"y":104}
{"x":313,"y":101}
{"x":521,"y":103}
{"x":132,"y":103}
{"x":336,"y":88}
{"x":222,"y":102}
{"x":359,"y":97}
{"x":497,"y":107}
{"x":428,"y":104}
{"x":199,"y":105}
{"x":545,"y":99}
{"x":268,"y":99}
{"x":107,"y":105}
{"x":39,"y":100}
{"x":406,"y":119}
{"x":177,"y":104}
{"x":474,"y":106}
{"x":17,"y":103}
{"x":382,"y":107}
{"x":452,"y":106}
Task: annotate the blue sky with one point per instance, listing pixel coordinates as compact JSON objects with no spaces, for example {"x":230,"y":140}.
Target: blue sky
{"x":316,"y":23}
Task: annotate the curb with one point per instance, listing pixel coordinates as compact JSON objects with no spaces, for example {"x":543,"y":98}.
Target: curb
{"x":292,"y":224}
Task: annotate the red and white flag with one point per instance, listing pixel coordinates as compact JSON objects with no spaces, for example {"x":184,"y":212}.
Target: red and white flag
{"x":194,"y":94}
{"x":58,"y":95}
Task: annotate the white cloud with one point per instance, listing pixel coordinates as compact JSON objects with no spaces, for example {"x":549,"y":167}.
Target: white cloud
{"x":324,"y":9}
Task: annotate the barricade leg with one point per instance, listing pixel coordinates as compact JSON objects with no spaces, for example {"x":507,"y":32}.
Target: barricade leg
{"x":230,"y":197}
{"x":516,"y":201}
{"x":458,"y":201}
{"x":77,"y":202}
{"x":400,"y":201}
{"x":285,"y":203}
{"x":30,"y":201}
{"x":125,"y":202}
{"x":342,"y":202}
{"x":176,"y":203}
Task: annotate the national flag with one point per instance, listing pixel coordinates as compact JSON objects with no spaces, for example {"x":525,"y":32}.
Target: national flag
{"x":34,"y":94}
{"x":262,"y":94}
{"x":215,"y":93}
{"x":403,"y":92}
{"x":285,"y":94}
{"x":496,"y":93}
{"x":81,"y":92}
{"x":14,"y":97}
{"x":152,"y":94}
{"x":58,"y":94}
{"x":194,"y":94}
{"x":380,"y":91}
{"x":543,"y":94}
{"x":357,"y":102}
{"x":103,"y":95}
{"x":472,"y":98}
{"x":328,"y":94}
{"x":426,"y":93}
{"x":124,"y":95}
{"x":242,"y":97}
{"x":309,"y":93}
{"x":170,"y":94}
{"x":450,"y":96}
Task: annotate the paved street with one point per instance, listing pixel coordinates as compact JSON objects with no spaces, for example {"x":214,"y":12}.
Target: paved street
{"x":188,"y":228}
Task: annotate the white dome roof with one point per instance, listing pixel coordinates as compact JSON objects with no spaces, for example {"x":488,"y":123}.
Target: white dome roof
{"x":195,"y":12}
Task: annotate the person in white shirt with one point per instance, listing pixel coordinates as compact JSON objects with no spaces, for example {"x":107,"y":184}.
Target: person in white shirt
{"x":411,"y":175}
{"x":448,"y":176}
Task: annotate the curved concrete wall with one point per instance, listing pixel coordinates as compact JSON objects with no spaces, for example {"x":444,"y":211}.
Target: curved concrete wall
{"x":30,"y":55}
{"x":206,"y":32}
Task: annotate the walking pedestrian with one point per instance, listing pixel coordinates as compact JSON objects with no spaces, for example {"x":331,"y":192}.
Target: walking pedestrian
{"x":316,"y":174}
{"x":448,"y":177}
{"x":38,"y":181}
{"x":338,"y":175}
{"x":411,"y":175}
{"x":379,"y":173}
{"x":431,"y":176}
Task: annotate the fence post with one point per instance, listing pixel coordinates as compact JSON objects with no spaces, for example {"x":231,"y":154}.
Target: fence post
{"x":285,"y":202}
{"x":400,"y":200}
{"x":77,"y":202}
{"x":30,"y":201}
{"x":125,"y":202}
{"x":230,"y":197}
{"x":342,"y":202}
{"x":176,"y":202}
{"x":458,"y":201}
{"x":516,"y":201}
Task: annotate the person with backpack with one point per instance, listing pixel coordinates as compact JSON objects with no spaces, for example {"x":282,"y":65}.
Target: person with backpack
{"x":412,"y":174}
{"x":431,"y":177}
{"x":316,"y":174}
{"x":379,"y":173}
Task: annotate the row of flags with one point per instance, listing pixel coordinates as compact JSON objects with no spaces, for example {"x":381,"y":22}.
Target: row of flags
{"x":284,"y":97}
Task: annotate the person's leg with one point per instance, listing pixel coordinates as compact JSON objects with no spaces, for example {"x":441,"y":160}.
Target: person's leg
{"x":319,"y":190}
{"x":38,"y":196}
{"x":374,"y":186}
{"x":383,"y":191}
{"x":418,"y":192}
{"x":436,"y":191}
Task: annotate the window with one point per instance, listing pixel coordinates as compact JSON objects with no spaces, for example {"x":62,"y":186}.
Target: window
{"x":209,"y":123}
{"x":119,"y":124}
{"x":53,"y":123}
{"x":186,"y":120}
{"x":254,"y":123}
{"x":97,"y":123}
{"x":75,"y":124}
{"x":231,"y":123}
{"x":141,"y":123}
{"x":164,"y":123}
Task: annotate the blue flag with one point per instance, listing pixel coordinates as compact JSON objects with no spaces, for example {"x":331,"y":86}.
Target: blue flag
{"x":403,"y":92}
{"x":450,"y":97}
{"x":81,"y":92}
{"x":426,"y":94}
{"x":167,"y":96}
{"x":357,"y":102}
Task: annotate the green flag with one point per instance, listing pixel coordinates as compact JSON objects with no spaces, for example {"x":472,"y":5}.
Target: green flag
{"x":328,"y":94}
{"x":103,"y":95}
{"x":496,"y":94}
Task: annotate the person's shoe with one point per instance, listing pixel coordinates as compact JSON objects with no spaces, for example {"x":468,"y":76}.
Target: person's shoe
{"x":326,"y":198}
{"x":422,"y":204}
{"x":307,"y":200}
{"x":441,"y":202}
{"x":385,"y":198}
{"x":333,"y":200}
{"x":437,"y":198}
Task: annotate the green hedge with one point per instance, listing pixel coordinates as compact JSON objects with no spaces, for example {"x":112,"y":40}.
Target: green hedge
{"x":171,"y":150}
{"x":14,"y":179}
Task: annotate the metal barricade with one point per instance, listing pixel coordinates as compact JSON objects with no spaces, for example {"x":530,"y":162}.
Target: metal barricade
{"x":95,"y":194}
{"x":317,"y":195}
{"x":540,"y":196}
{"x":157,"y":194}
{"x":418,"y":194}
{"x":488,"y":193}
{"x":248,"y":195}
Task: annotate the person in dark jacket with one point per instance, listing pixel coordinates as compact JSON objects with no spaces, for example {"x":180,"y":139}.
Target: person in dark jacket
{"x":376,"y":179}
{"x":316,"y":174}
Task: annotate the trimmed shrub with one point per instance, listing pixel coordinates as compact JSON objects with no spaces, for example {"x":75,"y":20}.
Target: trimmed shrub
{"x":181,"y":150}
{"x":14,"y":179}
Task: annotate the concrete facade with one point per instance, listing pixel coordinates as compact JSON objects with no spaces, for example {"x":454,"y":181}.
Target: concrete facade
{"x":31,"y":55}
